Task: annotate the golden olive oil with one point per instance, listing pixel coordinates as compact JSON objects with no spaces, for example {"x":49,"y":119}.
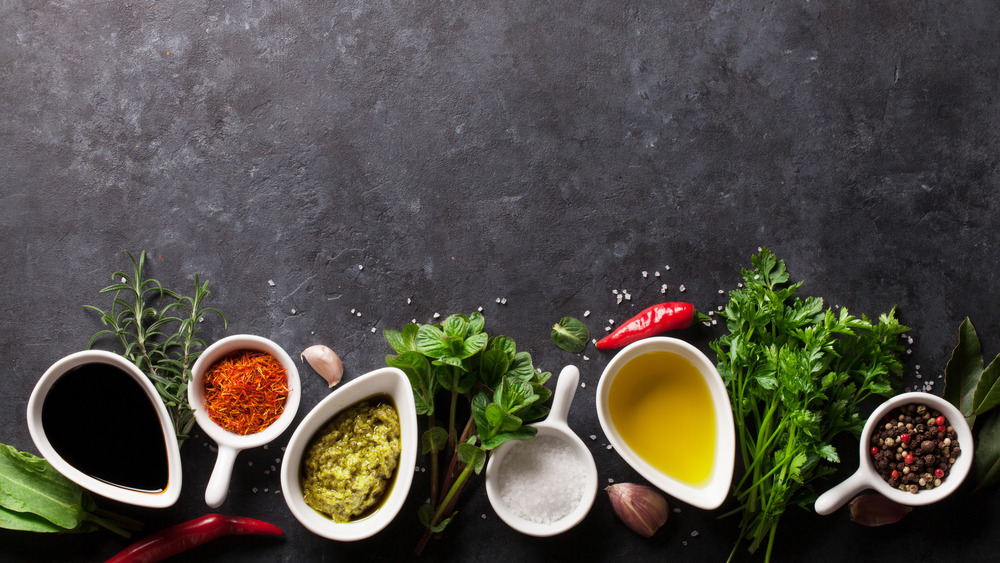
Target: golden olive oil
{"x":662,"y":408}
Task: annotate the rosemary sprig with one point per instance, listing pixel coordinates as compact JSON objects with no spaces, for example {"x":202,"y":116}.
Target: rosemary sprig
{"x":144,"y":332}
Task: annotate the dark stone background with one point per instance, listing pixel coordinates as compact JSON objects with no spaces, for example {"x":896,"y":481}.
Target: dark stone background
{"x":545,"y":152}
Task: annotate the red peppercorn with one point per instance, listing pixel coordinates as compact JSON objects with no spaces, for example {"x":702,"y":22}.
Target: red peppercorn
{"x":909,"y":459}
{"x":895,"y":475}
{"x":939,"y":421}
{"x":904,"y":438}
{"x":941,"y":429}
{"x":939,"y":473}
{"x":874,"y":450}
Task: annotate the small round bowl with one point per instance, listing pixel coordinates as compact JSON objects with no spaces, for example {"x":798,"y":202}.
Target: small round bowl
{"x":389,"y":381}
{"x":710,"y":494}
{"x":554,"y":425}
{"x":230,"y":443}
{"x":161,"y":499}
{"x":866,"y":477}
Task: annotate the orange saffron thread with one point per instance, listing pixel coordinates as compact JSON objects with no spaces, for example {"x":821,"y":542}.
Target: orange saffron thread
{"x":245,"y":392}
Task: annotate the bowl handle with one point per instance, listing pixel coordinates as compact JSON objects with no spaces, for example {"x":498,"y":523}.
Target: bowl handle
{"x":218,"y":484}
{"x":837,"y":496}
{"x":566,"y":384}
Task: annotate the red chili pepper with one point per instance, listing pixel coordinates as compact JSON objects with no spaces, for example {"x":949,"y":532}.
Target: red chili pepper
{"x":650,"y":322}
{"x":182,"y":537}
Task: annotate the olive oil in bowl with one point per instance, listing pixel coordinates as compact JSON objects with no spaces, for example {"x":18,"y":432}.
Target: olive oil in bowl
{"x":662,"y":408}
{"x":666,"y":412}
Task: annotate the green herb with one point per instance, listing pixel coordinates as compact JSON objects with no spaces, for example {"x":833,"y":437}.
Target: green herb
{"x":34,"y":497}
{"x":571,"y":335}
{"x":796,"y":374}
{"x":500,"y":386}
{"x":975,"y":390}
{"x":141,"y":317}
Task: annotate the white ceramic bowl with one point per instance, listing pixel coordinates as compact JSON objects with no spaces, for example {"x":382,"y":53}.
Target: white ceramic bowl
{"x":230,"y":443}
{"x":866,"y":477}
{"x":713,"y":492}
{"x":161,"y":499}
{"x":390,"y":381}
{"x":554,"y":425}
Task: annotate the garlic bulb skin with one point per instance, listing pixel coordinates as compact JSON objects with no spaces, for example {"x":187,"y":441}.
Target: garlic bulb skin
{"x":325,"y":362}
{"x":873,"y":510}
{"x":640,"y":507}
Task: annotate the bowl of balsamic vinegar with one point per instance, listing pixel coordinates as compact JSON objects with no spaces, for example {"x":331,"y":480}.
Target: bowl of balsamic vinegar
{"x":100,"y":422}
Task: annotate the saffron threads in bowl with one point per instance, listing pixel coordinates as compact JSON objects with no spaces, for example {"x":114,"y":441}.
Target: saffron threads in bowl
{"x":245,"y":392}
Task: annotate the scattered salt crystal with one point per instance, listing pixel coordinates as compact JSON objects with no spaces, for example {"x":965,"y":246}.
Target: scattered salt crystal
{"x":585,"y":358}
{"x":503,"y":300}
{"x":656,"y":273}
{"x":293,"y":311}
{"x":413,"y":321}
{"x":909,"y":340}
{"x":359,"y":313}
{"x":607,"y":329}
{"x":483,"y":516}
{"x":265,"y":446}
{"x":610,"y":480}
{"x":619,"y":299}
{"x":249,"y":464}
{"x":437,"y":315}
{"x":373,"y":330}
{"x":542,"y":480}
{"x":609,"y":446}
{"x":611,"y":321}
{"x":917,"y":366}
{"x":685,"y":542}
{"x":663,"y":288}
{"x":265,"y":489}
{"x":682,"y":289}
{"x":354,"y":311}
{"x":677,"y":510}
{"x":586,"y":313}
{"x":614,"y":291}
{"x":593,"y":436}
{"x":254,"y":490}
{"x":756,"y":276}
{"x":409,"y":300}
{"x":721,"y":292}
{"x":480,"y":308}
{"x":694,"y":533}
{"x":361,"y":267}
{"x":645,"y":274}
{"x":498,"y":299}
{"x":583,"y":384}
{"x":270,"y":283}
{"x":666,"y":267}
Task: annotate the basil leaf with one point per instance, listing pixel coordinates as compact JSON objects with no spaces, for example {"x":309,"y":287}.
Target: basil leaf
{"x":571,"y":335}
{"x":434,"y":440}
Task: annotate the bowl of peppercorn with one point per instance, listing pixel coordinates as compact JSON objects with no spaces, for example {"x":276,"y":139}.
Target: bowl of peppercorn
{"x":916,"y":449}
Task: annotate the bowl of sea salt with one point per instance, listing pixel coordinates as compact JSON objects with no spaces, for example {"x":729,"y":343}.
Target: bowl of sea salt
{"x":545,"y":486}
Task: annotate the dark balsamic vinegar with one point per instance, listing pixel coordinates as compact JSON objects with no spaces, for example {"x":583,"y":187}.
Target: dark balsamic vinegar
{"x":100,"y":420}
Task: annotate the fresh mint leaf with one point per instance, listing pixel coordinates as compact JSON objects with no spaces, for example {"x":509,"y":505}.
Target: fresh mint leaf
{"x":570,"y":334}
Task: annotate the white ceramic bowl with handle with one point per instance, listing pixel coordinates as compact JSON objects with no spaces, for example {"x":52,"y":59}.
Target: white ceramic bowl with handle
{"x":230,"y":443}
{"x":867,"y":477}
{"x":555,"y":425}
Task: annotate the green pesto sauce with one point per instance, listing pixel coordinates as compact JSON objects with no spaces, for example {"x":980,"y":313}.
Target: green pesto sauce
{"x":348,"y":468}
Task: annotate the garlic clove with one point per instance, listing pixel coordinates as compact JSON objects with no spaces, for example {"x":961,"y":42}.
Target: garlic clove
{"x":325,"y":362}
{"x":874,"y":510}
{"x":640,"y":507}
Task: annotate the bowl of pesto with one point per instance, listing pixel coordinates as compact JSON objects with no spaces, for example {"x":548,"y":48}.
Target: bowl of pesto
{"x":349,"y":465}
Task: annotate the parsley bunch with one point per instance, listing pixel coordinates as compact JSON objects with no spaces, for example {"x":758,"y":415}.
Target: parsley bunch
{"x":501,"y":387}
{"x":796,"y":375}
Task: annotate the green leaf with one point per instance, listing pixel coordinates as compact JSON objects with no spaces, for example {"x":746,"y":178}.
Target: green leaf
{"x":455,"y":326}
{"x":571,"y":335}
{"x":964,"y":370}
{"x":430,"y":342}
{"x":402,"y":341}
{"x":418,"y":370}
{"x":505,"y":344}
{"x":987,"y":393}
{"x":987,"y":452}
{"x":30,"y":484}
{"x":521,"y":367}
{"x":522,"y":433}
{"x":473,"y":344}
{"x":492,"y":366}
{"x":434,"y":440}
{"x":472,"y":456}
{"x":426,"y":514}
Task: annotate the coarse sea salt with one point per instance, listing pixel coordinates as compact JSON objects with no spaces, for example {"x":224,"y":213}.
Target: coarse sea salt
{"x":542,"y":479}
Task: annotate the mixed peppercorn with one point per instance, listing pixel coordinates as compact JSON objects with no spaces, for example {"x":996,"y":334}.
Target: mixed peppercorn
{"x":914,"y":448}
